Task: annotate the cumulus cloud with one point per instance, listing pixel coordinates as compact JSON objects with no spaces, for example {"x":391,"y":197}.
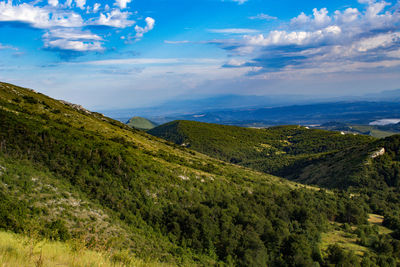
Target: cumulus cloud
{"x":71,"y":34}
{"x":72,"y":40}
{"x":122,"y":3}
{"x":53,"y":2}
{"x":320,"y":18}
{"x":38,"y":17}
{"x":343,"y":39}
{"x":96,"y":7}
{"x":115,"y":18}
{"x":140,"y":31}
{"x":80,"y":3}
{"x":64,"y":23}
{"x":71,"y":45}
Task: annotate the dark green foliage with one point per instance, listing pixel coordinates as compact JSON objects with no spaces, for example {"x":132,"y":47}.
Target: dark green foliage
{"x":338,"y":257}
{"x":56,"y":230}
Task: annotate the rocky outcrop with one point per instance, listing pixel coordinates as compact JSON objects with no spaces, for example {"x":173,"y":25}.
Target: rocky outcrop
{"x":75,"y":106}
{"x":378,"y":153}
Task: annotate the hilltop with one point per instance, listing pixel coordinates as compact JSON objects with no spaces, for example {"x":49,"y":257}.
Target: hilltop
{"x":141,"y":123}
{"x":70,"y":174}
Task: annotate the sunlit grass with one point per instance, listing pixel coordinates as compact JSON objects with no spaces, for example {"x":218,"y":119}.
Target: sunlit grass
{"x":22,"y":251}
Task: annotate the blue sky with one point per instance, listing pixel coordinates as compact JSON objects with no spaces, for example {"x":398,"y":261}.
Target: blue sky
{"x":135,"y":53}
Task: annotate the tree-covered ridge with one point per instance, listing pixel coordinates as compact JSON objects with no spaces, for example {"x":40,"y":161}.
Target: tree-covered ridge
{"x":165,"y":202}
{"x":280,"y":150}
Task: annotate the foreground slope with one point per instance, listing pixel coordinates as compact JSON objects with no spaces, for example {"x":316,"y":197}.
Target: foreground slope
{"x":67,"y":173}
{"x":26,"y":251}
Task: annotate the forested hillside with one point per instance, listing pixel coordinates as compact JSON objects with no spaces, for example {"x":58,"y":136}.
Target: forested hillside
{"x":281,"y":150}
{"x":69,"y":174}
{"x":362,"y":166}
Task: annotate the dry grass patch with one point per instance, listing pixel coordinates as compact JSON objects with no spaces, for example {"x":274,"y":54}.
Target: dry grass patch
{"x":17,"y":250}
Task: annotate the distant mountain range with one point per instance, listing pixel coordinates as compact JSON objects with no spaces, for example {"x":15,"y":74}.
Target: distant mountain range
{"x":271,"y":110}
{"x":312,"y":114}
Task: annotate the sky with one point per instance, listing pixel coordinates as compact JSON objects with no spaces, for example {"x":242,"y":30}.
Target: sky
{"x":138,"y":53}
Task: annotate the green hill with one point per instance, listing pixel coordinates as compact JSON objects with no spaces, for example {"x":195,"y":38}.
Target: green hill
{"x":282,"y":150}
{"x":361,"y":165}
{"x":71,"y":175}
{"x":141,"y":123}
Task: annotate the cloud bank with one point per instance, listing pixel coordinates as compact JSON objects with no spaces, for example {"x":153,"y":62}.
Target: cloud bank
{"x":67,"y":25}
{"x":343,"y":40}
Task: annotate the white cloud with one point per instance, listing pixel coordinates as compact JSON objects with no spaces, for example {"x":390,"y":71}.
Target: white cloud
{"x":263,"y":16}
{"x":233,"y":31}
{"x":150,"y":22}
{"x":348,"y":16}
{"x":115,"y":18}
{"x":122,"y":3}
{"x":80,"y":3}
{"x":293,"y":38}
{"x":236,"y":63}
{"x":176,"y":42}
{"x":78,"y":46}
{"x":320,"y":18}
{"x":96,"y":7}
{"x":72,"y":34}
{"x":38,"y":17}
{"x":379,"y":41}
{"x":349,"y":38}
{"x":53,"y":2}
{"x":58,"y":19}
{"x":72,"y":40}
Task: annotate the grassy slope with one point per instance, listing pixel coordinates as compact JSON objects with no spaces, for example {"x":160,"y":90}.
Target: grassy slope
{"x":141,"y":123}
{"x":280,"y":150}
{"x":24,"y":251}
{"x":163,"y":201}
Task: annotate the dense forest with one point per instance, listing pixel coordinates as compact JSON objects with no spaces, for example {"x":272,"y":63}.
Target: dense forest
{"x":70,"y":174}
